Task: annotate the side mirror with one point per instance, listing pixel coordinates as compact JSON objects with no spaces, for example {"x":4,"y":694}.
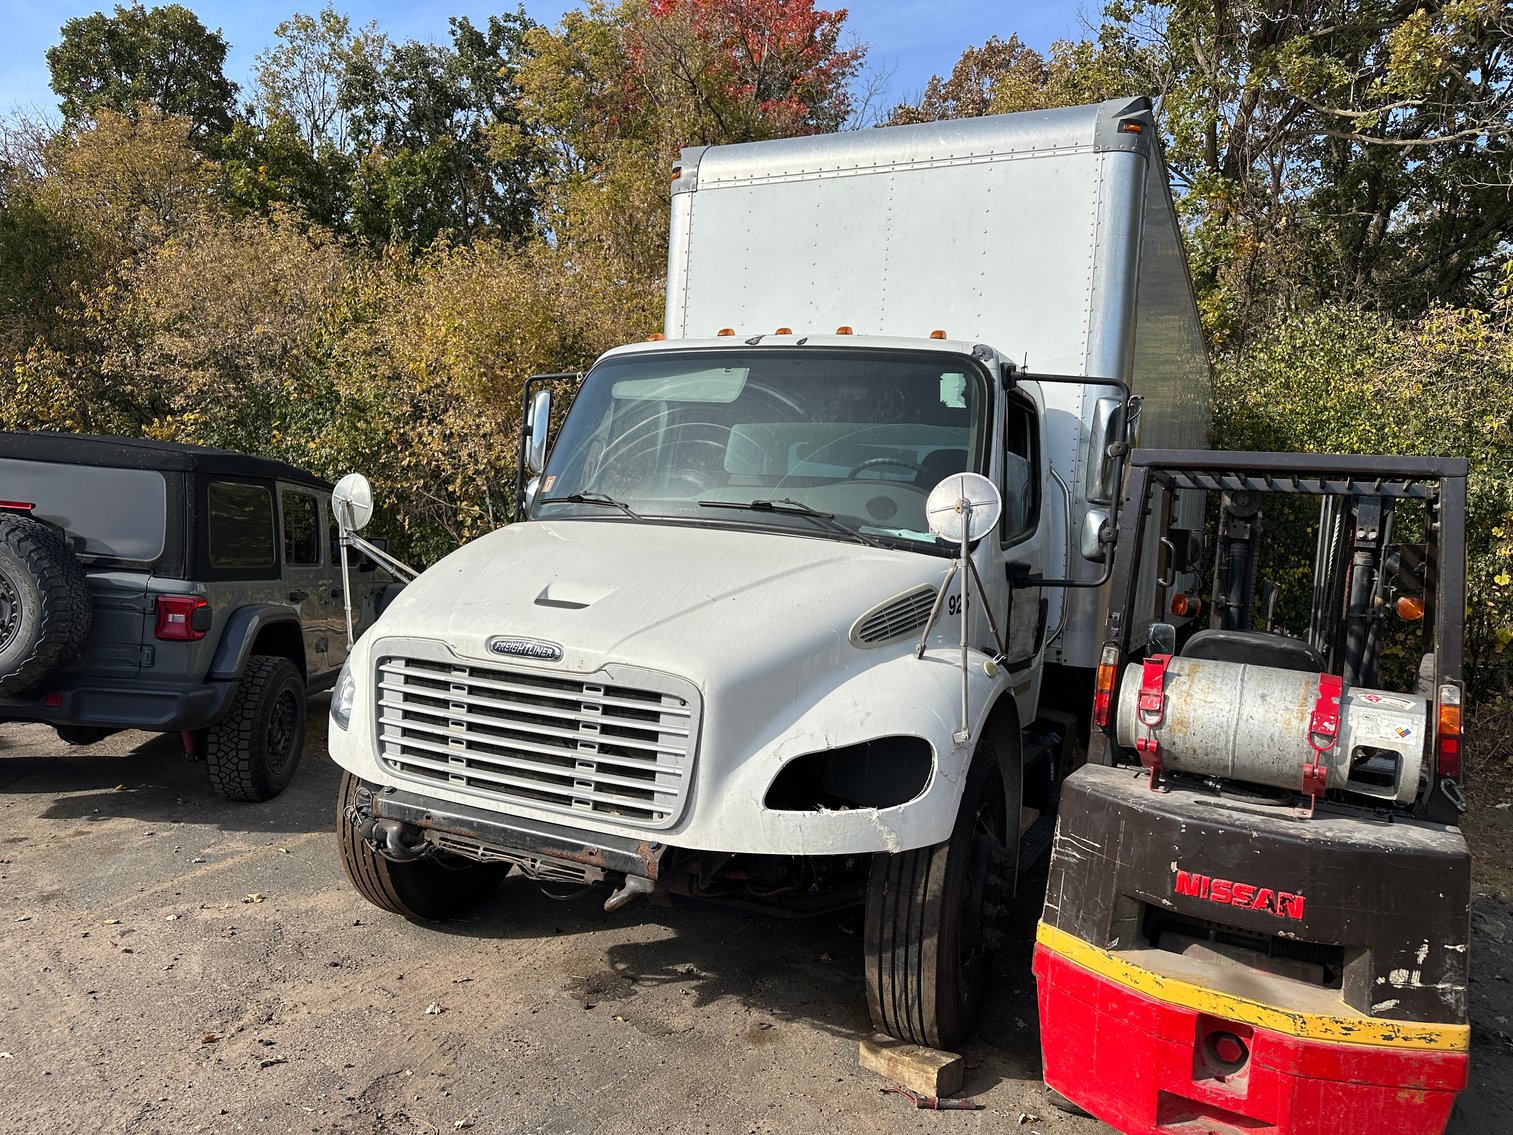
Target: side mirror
{"x":536,"y":431}
{"x":532,"y":487}
{"x":1102,"y":465}
{"x":1163,"y":639}
{"x":352,"y":502}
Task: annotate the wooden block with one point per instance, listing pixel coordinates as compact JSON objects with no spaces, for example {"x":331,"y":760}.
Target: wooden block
{"x":1027,"y":816}
{"x":926,"y":1071}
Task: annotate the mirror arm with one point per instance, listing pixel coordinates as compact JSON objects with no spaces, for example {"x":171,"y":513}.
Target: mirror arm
{"x":352,"y":539}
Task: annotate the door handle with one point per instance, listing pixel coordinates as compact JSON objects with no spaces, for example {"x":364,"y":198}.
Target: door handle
{"x":297,"y":595}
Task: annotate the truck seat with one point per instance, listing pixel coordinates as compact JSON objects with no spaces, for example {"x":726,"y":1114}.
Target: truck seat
{"x":1254,"y":648}
{"x":939,"y":464}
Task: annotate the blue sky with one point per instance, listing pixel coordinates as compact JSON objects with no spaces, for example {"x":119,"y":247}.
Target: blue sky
{"x":911,"y":39}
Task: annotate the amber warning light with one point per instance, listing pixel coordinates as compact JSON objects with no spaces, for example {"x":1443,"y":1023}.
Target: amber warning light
{"x":1103,"y":688}
{"x":1447,"y":743}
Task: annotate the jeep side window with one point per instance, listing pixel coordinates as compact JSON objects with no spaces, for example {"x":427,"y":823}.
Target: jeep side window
{"x":1021,"y":484}
{"x":301,"y":527}
{"x":241,"y":525}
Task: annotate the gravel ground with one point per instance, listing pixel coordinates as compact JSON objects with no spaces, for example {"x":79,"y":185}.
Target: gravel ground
{"x":178,"y":963}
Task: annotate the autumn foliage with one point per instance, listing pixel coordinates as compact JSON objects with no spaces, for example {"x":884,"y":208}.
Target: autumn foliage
{"x":356,"y":261}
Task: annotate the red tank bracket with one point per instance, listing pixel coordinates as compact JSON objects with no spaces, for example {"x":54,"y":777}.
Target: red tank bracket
{"x":1151,"y":710}
{"x":1323,"y":735}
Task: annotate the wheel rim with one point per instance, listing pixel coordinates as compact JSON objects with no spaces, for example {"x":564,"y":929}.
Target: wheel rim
{"x":10,"y":611}
{"x":283,"y":732}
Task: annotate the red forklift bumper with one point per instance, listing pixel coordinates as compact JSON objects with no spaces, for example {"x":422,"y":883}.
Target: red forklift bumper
{"x":1152,"y":1055}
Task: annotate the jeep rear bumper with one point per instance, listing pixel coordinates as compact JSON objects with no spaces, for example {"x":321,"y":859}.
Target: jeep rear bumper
{"x":136,"y":706}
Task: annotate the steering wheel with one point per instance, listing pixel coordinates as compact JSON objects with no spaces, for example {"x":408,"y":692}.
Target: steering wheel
{"x":919,"y":470}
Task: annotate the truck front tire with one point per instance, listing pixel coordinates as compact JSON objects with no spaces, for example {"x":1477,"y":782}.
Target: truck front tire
{"x":252,"y":752}
{"x":932,"y":916}
{"x":425,"y":890}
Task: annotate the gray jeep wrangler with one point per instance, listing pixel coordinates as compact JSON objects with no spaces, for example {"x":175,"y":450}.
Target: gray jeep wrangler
{"x":145,"y":585}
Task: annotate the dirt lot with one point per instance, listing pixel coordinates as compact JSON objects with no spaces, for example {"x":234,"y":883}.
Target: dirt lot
{"x":177,"y":963}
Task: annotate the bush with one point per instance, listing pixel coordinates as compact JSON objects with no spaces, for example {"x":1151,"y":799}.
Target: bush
{"x":1343,"y":380}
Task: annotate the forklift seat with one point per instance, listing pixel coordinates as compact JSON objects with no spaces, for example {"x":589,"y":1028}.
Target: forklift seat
{"x":1254,"y":648}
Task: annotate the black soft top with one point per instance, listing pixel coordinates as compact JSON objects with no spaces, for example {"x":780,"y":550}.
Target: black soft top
{"x":139,"y":453}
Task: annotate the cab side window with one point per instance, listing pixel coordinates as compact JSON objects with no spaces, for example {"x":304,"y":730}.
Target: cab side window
{"x":1021,"y":480}
{"x":301,"y":528}
{"x":240,"y":525}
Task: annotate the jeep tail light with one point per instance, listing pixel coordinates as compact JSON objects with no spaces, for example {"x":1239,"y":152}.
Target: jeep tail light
{"x":182,"y":618}
{"x":1103,"y":688}
{"x":1447,"y":734}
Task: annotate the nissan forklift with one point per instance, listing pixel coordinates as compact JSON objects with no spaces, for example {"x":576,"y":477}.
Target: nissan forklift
{"x":1258,"y":908}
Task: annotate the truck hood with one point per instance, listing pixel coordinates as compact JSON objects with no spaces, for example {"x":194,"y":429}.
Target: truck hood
{"x":698,"y":602}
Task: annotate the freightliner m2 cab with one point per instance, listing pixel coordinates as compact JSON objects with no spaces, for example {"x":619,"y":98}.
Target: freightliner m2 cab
{"x":730,"y":652}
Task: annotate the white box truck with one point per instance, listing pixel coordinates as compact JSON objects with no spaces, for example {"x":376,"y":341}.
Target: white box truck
{"x":725,"y":653}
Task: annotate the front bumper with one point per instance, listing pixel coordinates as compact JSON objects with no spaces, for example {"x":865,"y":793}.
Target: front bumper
{"x":486,"y":835}
{"x":1132,"y":1046}
{"x":124,"y":706}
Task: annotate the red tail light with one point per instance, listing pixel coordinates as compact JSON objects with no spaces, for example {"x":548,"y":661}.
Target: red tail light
{"x":182,"y":618}
{"x":1103,"y":688}
{"x":17,"y":506}
{"x":1447,"y":735}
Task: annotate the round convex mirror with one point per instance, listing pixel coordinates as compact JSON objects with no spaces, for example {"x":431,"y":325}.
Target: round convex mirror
{"x":963,"y":497}
{"x":352,"y":501}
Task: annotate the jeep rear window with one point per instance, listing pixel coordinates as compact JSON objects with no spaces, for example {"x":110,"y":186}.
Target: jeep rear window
{"x":118,"y":514}
{"x":241,"y":525}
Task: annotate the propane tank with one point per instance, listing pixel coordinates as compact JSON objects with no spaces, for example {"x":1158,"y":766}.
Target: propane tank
{"x":1250,"y":723}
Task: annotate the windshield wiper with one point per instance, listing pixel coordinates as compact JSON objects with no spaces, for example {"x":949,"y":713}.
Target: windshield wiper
{"x":595,"y":498}
{"x":789,"y":507}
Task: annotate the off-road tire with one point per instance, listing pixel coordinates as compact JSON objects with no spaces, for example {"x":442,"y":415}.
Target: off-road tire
{"x":933,"y":915}
{"x":45,"y":608}
{"x":252,"y":752}
{"x":427,"y":890}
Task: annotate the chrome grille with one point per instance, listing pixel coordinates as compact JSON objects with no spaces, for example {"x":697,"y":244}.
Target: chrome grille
{"x":902,"y":615}
{"x":614,"y":745}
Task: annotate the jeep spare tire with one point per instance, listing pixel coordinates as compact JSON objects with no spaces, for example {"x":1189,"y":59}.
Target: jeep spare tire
{"x":44,"y":603}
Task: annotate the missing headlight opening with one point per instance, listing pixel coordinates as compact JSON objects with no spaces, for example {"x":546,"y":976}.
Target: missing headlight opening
{"x":875,"y":774}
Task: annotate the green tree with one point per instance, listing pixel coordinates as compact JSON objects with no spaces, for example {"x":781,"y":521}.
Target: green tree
{"x":420,"y":117}
{"x":1354,"y":151}
{"x":1004,"y":76}
{"x":1340,"y":379}
{"x":42,"y":253}
{"x":163,"y":57}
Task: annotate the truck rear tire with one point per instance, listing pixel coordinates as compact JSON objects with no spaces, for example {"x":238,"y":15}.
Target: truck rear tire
{"x":45,"y":607}
{"x":252,"y":752}
{"x":426,"y":890}
{"x":933,"y":914}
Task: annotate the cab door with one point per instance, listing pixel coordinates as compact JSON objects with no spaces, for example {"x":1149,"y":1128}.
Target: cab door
{"x":305,"y":575}
{"x":1024,"y":541}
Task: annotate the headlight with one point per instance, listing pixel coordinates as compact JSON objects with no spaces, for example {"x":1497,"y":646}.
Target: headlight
{"x":342,"y":695}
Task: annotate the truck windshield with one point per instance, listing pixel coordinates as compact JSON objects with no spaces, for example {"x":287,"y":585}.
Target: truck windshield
{"x":861,"y":436}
